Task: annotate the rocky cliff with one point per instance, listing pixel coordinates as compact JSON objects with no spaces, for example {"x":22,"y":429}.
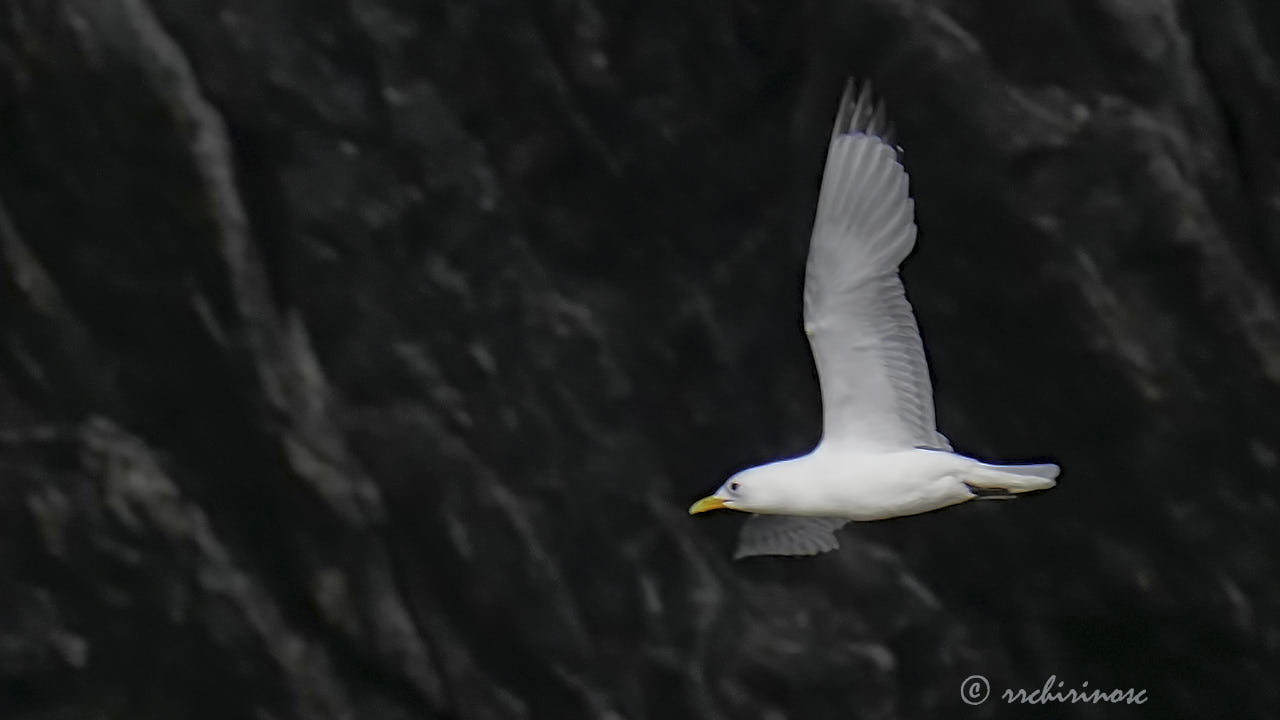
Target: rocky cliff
{"x":359,"y":359}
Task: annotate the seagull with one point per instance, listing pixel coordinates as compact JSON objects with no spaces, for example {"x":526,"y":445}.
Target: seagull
{"x":880,"y":455}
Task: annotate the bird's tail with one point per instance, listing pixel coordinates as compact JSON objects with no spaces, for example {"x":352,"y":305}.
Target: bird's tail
{"x":1004,"y":480}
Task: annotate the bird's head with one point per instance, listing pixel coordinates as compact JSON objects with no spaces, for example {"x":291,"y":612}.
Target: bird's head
{"x":757,"y":489}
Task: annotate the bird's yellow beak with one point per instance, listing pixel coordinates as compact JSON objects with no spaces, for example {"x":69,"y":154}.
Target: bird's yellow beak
{"x":705,"y":504}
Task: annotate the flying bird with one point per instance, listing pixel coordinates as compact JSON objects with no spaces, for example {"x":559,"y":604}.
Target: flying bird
{"x":881,"y":454}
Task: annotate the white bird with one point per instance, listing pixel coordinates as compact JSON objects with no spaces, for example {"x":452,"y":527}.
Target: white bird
{"x":880,"y":455}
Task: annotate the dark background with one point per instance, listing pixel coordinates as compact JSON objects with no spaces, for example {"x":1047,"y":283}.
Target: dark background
{"x":359,"y":359}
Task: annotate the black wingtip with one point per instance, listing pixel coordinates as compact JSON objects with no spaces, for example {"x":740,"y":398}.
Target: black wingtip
{"x":861,"y":111}
{"x":844,"y":111}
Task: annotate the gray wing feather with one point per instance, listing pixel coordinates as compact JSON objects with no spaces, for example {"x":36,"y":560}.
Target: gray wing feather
{"x":871,"y":364}
{"x":787,"y":535}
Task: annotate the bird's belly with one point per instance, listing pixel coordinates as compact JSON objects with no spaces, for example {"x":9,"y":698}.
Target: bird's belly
{"x":865,"y":500}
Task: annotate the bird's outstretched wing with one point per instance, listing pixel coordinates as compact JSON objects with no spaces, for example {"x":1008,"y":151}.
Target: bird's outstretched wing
{"x":871,"y":364}
{"x":787,"y":535}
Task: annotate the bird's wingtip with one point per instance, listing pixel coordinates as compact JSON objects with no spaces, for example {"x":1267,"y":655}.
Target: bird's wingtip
{"x":862,"y":111}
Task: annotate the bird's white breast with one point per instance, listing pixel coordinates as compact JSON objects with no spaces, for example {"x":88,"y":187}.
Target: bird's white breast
{"x":877,"y":485}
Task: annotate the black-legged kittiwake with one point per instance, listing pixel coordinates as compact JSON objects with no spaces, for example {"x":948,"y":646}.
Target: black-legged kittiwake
{"x":881,"y":454}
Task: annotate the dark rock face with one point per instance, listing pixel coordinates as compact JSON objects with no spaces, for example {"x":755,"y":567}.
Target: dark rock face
{"x":360,"y":358}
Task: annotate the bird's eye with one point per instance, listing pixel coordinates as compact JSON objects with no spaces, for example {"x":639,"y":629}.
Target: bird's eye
{"x":733,"y":486}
